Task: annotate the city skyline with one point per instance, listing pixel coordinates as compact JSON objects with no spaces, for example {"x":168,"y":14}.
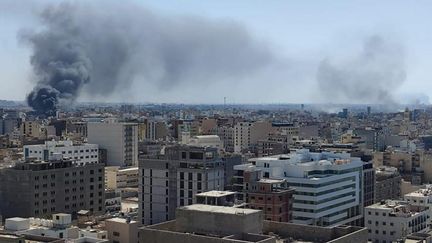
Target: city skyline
{"x":298,"y":41}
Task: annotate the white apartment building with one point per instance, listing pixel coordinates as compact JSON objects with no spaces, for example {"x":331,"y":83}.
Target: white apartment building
{"x":119,"y":139}
{"x":328,"y":186}
{"x":81,"y":153}
{"x":116,"y":177}
{"x":421,"y":198}
{"x":390,"y":221}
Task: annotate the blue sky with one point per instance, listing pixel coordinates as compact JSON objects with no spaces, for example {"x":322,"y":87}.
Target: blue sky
{"x":305,"y":31}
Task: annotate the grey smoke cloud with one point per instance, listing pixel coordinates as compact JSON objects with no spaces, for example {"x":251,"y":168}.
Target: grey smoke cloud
{"x":100,"y":49}
{"x":372,"y":76}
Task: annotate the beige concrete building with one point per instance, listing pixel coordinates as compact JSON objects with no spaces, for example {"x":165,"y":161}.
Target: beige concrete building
{"x":122,"y":230}
{"x":119,"y":139}
{"x":218,"y":224}
{"x":32,"y":129}
{"x":116,"y":177}
{"x":247,"y":134}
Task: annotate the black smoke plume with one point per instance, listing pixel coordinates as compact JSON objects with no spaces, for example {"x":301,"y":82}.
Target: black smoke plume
{"x":372,"y":76}
{"x":100,"y":49}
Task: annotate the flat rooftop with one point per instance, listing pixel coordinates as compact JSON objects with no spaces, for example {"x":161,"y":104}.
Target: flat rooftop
{"x":271,"y":181}
{"x":219,"y":209}
{"x":421,"y":192}
{"x":16,"y":219}
{"x":215,"y":193}
{"x":120,"y":220}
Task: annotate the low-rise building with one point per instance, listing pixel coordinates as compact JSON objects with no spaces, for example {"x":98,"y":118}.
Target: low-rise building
{"x":205,"y":223}
{"x":273,"y":196}
{"x":390,"y":221}
{"x":113,"y":201}
{"x":117,"y":177}
{"x":59,"y":227}
{"x":122,"y":230}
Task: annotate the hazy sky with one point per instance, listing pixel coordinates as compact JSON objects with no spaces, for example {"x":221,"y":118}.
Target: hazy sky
{"x":299,"y":34}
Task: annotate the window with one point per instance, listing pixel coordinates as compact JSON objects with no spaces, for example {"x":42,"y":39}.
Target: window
{"x":115,"y":233}
{"x":196,"y":155}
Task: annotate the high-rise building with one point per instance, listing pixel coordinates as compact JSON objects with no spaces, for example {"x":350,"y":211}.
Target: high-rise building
{"x":119,"y":139}
{"x":41,"y":188}
{"x":175,"y":179}
{"x":328,"y":186}
{"x":80,"y":153}
{"x":226,"y":134}
{"x":247,"y":134}
{"x":156,"y":130}
{"x":31,"y":129}
{"x":388,"y":183}
{"x":368,"y":184}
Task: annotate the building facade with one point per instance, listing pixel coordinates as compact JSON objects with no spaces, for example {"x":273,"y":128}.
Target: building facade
{"x":388,"y":183}
{"x":175,"y":179}
{"x":390,"y":221}
{"x":81,"y":153}
{"x":38,"y":189}
{"x":116,"y":177}
{"x":119,"y":139}
{"x":328,"y":186}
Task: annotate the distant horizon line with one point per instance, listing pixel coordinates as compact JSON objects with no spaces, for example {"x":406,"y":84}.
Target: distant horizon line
{"x":231,"y":104}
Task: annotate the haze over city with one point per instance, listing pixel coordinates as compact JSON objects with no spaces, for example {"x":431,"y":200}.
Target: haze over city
{"x":225,"y":121}
{"x":363,"y":52}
